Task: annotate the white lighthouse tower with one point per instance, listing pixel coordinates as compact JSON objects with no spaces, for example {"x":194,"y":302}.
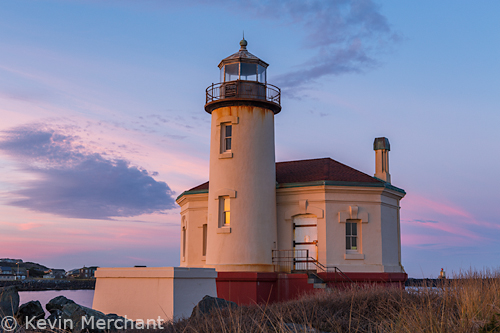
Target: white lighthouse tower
{"x":242,"y":195}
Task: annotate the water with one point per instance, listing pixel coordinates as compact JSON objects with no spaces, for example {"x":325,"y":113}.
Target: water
{"x":81,"y":297}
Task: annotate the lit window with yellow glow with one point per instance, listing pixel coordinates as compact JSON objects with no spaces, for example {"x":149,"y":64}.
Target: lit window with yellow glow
{"x":224,"y":212}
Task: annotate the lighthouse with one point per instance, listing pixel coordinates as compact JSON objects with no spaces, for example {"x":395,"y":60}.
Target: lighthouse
{"x":241,"y":223}
{"x":274,"y":230}
{"x":260,"y":231}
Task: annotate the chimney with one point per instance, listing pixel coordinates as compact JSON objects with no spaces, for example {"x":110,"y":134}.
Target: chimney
{"x":382,"y":147}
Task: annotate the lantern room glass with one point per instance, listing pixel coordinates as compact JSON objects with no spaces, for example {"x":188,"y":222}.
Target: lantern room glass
{"x":248,"y":72}
{"x":243,"y":71}
{"x":231,"y":72}
{"x":261,"y":73}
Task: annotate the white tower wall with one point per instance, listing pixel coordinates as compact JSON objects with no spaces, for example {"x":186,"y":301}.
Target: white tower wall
{"x":247,"y":175}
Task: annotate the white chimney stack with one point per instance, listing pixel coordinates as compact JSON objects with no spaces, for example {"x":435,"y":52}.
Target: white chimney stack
{"x":382,"y":147}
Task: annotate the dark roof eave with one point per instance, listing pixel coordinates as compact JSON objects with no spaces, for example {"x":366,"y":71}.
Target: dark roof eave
{"x":243,"y":60}
{"x":316,"y":183}
{"x":341,"y":183}
{"x":191,"y":192}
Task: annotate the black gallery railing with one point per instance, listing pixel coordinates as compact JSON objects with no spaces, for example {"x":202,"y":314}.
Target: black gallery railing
{"x":243,"y":89}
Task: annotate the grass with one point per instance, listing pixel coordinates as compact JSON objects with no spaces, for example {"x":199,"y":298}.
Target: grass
{"x":470,"y":302}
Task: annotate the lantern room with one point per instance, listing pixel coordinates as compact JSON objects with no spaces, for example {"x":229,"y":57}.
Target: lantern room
{"x":243,"y":77}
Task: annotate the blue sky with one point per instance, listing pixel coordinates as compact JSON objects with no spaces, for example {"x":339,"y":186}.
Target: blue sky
{"x":103,"y":123}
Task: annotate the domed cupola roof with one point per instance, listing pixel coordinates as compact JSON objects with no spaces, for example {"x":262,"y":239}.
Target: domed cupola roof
{"x":243,"y":56}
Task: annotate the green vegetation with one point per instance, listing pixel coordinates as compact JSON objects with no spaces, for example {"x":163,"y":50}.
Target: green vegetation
{"x":468,"y":303}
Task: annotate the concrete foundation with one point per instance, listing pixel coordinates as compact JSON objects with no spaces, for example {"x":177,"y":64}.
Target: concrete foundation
{"x":152,"y":292}
{"x":245,"y":288}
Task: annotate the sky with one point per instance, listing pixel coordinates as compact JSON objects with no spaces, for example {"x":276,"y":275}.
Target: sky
{"x":102,"y":122}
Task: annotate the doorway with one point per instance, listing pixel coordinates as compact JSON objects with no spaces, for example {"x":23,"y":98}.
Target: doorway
{"x":305,"y":237}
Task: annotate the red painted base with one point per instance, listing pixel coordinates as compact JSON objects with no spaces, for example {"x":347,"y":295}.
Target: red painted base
{"x":246,"y":288}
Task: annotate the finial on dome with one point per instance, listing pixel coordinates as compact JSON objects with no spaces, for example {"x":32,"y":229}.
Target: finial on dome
{"x":243,"y":42}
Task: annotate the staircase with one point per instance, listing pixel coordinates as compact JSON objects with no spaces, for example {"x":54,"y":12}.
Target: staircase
{"x":315,"y":280}
{"x":298,"y":261}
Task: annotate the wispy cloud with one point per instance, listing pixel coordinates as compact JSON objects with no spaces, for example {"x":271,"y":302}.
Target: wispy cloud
{"x":442,"y":224}
{"x":75,"y":182}
{"x":347,"y":35}
{"x":423,"y":221}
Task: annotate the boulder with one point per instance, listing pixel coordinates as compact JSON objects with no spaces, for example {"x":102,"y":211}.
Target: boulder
{"x":54,"y":316}
{"x":57,"y":303}
{"x":208,"y":304}
{"x":30,"y":310}
{"x":86,"y":319}
{"x":82,"y":317}
{"x":9,"y":301}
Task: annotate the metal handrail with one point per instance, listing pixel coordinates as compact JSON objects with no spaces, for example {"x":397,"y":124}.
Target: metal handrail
{"x":290,"y":258}
{"x":243,"y":89}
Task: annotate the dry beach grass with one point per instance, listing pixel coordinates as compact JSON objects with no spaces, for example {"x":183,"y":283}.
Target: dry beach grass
{"x":468,"y":303}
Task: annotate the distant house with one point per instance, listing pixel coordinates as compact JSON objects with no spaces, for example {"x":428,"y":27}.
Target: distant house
{"x":54,"y":274}
{"x":5,"y":270}
{"x":82,"y":273}
{"x":73,"y":273}
{"x":87,"y":272}
{"x":6,"y":274}
{"x":58,"y":273}
{"x":11,"y":261}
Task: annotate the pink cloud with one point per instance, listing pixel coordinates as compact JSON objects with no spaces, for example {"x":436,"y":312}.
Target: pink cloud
{"x":29,"y":226}
{"x":427,"y":221}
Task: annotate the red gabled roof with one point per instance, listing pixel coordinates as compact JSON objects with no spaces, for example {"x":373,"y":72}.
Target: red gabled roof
{"x":203,"y":186}
{"x":319,"y":169}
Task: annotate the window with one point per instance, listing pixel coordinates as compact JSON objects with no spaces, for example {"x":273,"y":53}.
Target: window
{"x":232,"y":72}
{"x":183,"y":242}
{"x":262,"y":74}
{"x":204,"y":251}
{"x":351,"y":236}
{"x":227,"y":134}
{"x":224,"y":212}
{"x":248,"y":72}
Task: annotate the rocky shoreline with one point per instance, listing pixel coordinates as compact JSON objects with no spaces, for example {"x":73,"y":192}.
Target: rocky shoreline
{"x":41,"y":284}
{"x":68,"y":316}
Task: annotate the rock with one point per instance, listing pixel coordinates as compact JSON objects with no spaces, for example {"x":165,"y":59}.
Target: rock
{"x":54,"y":315}
{"x":208,"y":304}
{"x":30,"y":310}
{"x":57,"y":303}
{"x":82,"y":318}
{"x":9,"y":301}
{"x":86,"y":319}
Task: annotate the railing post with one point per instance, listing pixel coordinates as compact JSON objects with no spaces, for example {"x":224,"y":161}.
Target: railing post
{"x":307,"y":262}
